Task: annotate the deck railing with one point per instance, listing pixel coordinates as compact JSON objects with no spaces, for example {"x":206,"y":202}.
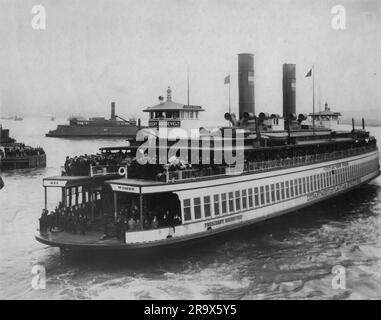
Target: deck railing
{"x":260,"y":166}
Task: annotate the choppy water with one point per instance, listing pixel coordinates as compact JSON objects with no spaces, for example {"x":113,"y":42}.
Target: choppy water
{"x":288,"y":257}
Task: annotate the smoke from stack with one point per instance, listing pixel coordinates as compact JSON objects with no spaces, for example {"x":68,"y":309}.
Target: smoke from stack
{"x":246,"y":84}
{"x":289,"y":80}
{"x":112,"y":117}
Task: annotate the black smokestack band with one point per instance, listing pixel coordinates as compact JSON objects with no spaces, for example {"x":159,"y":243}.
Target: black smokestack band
{"x":289,"y":80}
{"x":246,"y":83}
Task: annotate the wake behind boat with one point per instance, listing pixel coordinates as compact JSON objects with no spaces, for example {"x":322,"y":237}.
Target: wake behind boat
{"x":260,"y":167}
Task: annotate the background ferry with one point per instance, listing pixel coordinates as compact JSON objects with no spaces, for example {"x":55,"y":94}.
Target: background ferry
{"x":97,"y":127}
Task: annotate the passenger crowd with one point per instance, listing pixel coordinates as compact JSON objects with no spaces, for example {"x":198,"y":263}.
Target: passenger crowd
{"x":74,"y":219}
{"x":129,"y":220}
{"x":20,"y":150}
{"x":80,"y":165}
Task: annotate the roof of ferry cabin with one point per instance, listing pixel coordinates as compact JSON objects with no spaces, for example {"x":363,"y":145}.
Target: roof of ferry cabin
{"x":172,"y":105}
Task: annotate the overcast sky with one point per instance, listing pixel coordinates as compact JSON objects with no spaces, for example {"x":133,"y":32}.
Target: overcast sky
{"x":97,"y":51}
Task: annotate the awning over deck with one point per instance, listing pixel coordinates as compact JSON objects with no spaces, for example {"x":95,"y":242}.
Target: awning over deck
{"x":74,"y":181}
{"x":134,"y":185}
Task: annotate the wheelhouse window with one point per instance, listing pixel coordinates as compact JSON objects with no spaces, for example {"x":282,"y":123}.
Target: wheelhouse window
{"x":197,"y":208}
{"x":187,"y":210}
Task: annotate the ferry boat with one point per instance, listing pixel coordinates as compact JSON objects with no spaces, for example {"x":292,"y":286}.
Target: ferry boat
{"x":15,"y":155}
{"x":97,"y":127}
{"x":289,"y":162}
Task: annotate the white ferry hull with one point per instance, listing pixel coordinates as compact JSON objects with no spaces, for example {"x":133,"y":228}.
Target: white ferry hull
{"x":350,"y":173}
{"x":367,"y":166}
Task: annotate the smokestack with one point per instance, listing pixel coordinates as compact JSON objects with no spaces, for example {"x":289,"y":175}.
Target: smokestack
{"x":112,"y":117}
{"x":289,"y":80}
{"x":246,"y":83}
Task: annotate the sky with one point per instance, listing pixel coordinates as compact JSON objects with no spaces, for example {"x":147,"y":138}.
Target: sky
{"x":93,"y":52}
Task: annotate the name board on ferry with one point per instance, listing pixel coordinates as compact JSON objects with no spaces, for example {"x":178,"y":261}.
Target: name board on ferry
{"x":54,"y":183}
{"x":164,"y":124}
{"x":124,"y":188}
{"x":223,"y":221}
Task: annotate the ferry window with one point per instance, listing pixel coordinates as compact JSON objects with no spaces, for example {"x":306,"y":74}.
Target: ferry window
{"x":231,"y":202}
{"x":296,"y":187}
{"x":181,"y":114}
{"x":300,"y":186}
{"x":250,"y":198}
{"x":197,"y":208}
{"x":318,"y":182}
{"x":287,"y":190}
{"x":262,"y":191}
{"x":196,"y":114}
{"x":191,"y":114}
{"x":315,"y":183}
{"x":282,"y":189}
{"x":244,"y":199}
{"x":207,"y":206}
{"x":256,"y":196}
{"x":223,"y":203}
{"x":304,"y":185}
{"x":216,"y":204}
{"x":277,"y":192}
{"x":187,"y":210}
{"x":311,"y":183}
{"x":238,"y":200}
{"x":292,"y":188}
{"x":267,"y":194}
{"x":272,"y":193}
{"x":308,"y":184}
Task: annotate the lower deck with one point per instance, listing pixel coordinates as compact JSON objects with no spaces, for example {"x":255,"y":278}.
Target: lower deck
{"x":214,"y":209}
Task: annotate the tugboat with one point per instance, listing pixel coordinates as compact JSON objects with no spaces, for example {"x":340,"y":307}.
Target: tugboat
{"x":97,"y":127}
{"x":14,"y":155}
{"x":167,"y":189}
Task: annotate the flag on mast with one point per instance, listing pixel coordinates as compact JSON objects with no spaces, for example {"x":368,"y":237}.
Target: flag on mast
{"x":309,"y":73}
{"x":227,"y":79}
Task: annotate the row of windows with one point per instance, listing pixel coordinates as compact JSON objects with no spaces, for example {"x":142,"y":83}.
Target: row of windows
{"x":234,"y":201}
{"x":174,"y":114}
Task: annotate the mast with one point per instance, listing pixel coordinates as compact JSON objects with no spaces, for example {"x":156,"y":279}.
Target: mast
{"x":188,"y":84}
{"x":313,"y":98}
{"x":229,"y":95}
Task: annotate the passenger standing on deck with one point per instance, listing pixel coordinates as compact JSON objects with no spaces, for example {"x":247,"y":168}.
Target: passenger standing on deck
{"x":131,"y":224}
{"x":154,"y":224}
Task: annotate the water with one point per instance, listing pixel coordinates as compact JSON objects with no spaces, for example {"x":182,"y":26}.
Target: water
{"x":287,"y":257}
